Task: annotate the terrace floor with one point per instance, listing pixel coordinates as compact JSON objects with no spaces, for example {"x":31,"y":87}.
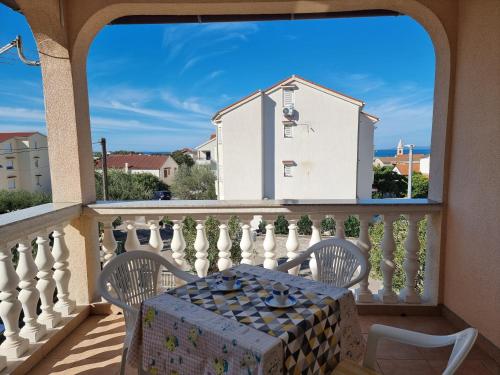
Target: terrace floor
{"x":95,"y":348}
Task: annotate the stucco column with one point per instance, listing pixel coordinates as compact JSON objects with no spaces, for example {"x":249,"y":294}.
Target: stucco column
{"x":69,"y":138}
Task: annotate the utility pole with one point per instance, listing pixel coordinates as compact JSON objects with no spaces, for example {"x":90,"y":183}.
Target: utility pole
{"x":104,"y":169}
{"x":410,"y":168}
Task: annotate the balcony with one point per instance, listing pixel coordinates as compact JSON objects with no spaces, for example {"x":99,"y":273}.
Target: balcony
{"x":39,"y":308}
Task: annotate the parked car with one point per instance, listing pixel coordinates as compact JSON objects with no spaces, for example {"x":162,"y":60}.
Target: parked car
{"x":162,"y":195}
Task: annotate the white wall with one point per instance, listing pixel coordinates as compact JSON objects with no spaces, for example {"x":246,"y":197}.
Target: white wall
{"x":240,"y":175}
{"x":425,"y":164}
{"x":365,"y":156}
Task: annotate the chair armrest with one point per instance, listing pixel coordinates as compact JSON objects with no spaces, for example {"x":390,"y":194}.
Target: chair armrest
{"x":295,"y":262}
{"x":378,"y":331}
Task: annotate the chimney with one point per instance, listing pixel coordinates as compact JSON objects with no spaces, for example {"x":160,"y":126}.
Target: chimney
{"x":126,"y":168}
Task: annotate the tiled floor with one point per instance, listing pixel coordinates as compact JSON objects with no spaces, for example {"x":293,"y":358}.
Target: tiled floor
{"x":95,"y":348}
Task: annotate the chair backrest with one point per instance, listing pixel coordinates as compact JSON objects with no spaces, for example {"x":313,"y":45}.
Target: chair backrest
{"x":462,"y":343}
{"x":464,"y":340}
{"x":337,"y":261}
{"x":131,"y":277}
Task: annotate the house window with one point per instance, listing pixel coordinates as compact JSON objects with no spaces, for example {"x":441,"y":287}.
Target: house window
{"x":36,"y":145}
{"x":37,"y":180}
{"x":288,"y":97}
{"x":36,"y":163}
{"x":8,"y":147}
{"x":11,"y":183}
{"x":10,"y":164}
{"x":208,"y":155}
{"x":166,"y":172}
{"x":288,"y":132}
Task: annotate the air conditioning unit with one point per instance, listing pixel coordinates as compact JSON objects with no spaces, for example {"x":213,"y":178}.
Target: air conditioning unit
{"x":288,"y":110}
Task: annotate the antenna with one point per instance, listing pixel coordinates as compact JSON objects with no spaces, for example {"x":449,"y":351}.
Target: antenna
{"x":17,"y":43}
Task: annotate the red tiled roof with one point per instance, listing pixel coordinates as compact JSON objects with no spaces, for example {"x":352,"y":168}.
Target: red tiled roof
{"x":403,"y":168}
{"x":135,"y":161}
{"x":6,"y":136}
{"x":400,"y":158}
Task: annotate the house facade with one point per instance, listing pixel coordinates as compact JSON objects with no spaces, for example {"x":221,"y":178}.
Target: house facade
{"x":162,"y":166}
{"x":206,"y":153}
{"x":24,"y":162}
{"x":295,"y":140}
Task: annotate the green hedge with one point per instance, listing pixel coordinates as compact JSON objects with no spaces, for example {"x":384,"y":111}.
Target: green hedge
{"x":17,"y":200}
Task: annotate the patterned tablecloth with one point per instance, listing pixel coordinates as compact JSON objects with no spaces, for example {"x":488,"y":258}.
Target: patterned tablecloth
{"x":196,"y":329}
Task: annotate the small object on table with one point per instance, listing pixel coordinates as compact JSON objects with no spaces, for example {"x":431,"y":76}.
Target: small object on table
{"x":220,"y":286}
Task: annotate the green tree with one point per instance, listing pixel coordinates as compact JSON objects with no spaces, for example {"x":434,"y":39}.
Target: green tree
{"x":182,"y":159}
{"x":419,"y":186}
{"x":124,"y":152}
{"x":124,"y":186}
{"x":388,"y":184}
{"x":193,"y":183}
{"x":17,"y":200}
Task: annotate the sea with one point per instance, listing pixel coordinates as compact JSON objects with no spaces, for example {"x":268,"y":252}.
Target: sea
{"x":392,"y":151}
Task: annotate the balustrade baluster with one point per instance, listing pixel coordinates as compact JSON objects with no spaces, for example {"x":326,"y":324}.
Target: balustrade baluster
{"x":29,"y":295}
{"x":270,"y":248}
{"x":14,"y":345}
{"x":364,"y":294}
{"x":201,"y":246}
{"x":155,"y":240}
{"x":386,"y":294}
{"x":62,"y":273}
{"x":315,"y":238}
{"x":132,"y":242}
{"x":247,"y":245}
{"x":178,"y":245}
{"x":224,"y":245}
{"x":410,"y":265}
{"x":339,"y":225}
{"x":108,"y":244}
{"x":292,"y":245}
{"x":46,"y":284}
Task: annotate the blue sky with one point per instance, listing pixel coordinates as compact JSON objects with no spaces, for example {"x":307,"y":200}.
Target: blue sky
{"x":155,"y":87}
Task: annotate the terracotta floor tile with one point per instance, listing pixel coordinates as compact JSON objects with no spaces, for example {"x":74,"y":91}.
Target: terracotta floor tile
{"x":468,"y":367}
{"x":405,"y":367}
{"x":387,"y":349}
{"x":492,"y":366}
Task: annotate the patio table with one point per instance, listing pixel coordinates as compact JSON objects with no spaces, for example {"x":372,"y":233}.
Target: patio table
{"x":195,"y":329}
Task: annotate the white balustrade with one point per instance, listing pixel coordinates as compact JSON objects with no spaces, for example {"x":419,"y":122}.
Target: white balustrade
{"x":387,"y":294}
{"x":247,"y":245}
{"x":155,"y":240}
{"x":109,"y":244}
{"x":411,"y":264}
{"x":178,"y":245}
{"x":364,"y":294}
{"x":132,"y":242}
{"x":292,"y":245}
{"x":46,"y":284}
{"x":201,"y":246}
{"x":315,"y":238}
{"x":62,"y":274}
{"x":14,"y":345}
{"x":270,"y":248}
{"x":339,"y":225}
{"x":224,"y":245}
{"x":29,"y":295}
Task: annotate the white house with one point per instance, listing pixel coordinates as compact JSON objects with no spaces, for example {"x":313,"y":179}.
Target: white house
{"x":295,"y":140}
{"x":206,"y":153}
{"x":24,"y":162}
{"x":162,"y":166}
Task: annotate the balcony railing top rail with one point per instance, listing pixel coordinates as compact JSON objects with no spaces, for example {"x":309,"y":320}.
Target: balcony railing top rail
{"x":22,"y":223}
{"x":312,"y":207}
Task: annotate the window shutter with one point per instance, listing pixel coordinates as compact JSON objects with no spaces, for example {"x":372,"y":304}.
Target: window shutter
{"x":288,"y":131}
{"x":288,"y":170}
{"x":287,"y":97}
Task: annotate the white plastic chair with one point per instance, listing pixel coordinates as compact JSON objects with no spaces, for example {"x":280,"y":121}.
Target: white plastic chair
{"x":336,"y":259}
{"x":462,"y":343}
{"x":129,"y":279}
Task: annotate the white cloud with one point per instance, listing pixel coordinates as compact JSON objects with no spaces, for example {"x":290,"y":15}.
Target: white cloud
{"x":21,"y":114}
{"x":191,"y":104}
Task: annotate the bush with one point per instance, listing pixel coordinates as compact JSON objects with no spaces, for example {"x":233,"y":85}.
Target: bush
{"x":124,"y":186}
{"x":17,"y":200}
{"x":400,"y":234}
